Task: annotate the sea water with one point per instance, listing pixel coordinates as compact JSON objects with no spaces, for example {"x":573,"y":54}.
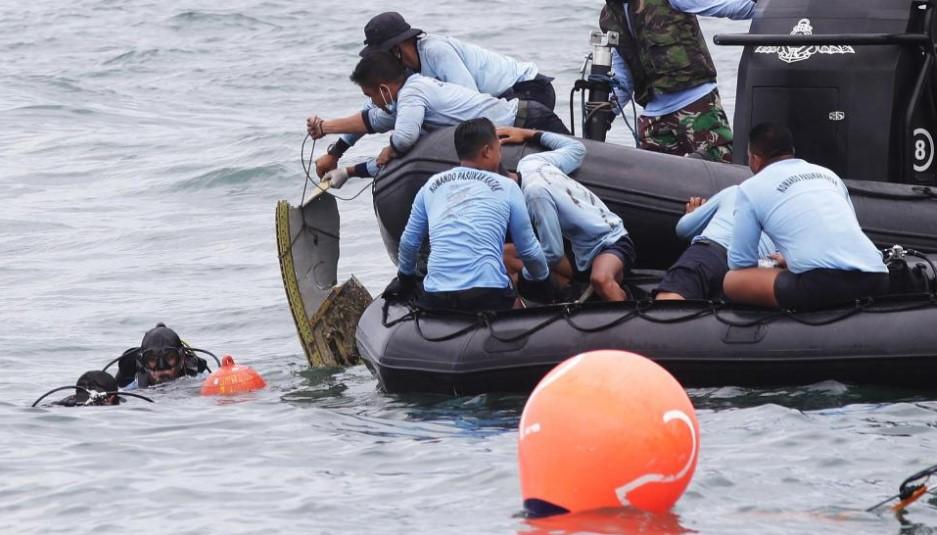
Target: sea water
{"x":143,"y":146}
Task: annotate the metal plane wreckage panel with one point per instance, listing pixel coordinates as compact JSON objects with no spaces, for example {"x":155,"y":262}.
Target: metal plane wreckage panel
{"x":325,"y":315}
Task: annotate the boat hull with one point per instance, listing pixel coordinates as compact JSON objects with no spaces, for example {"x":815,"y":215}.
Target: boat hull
{"x":889,"y":343}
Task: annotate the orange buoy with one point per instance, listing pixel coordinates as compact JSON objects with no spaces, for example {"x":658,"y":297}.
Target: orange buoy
{"x":613,"y":521}
{"x":232,"y":378}
{"x":606,"y":429}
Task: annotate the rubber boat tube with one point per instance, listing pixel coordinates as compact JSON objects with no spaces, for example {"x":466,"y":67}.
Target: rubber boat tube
{"x":890,"y":342}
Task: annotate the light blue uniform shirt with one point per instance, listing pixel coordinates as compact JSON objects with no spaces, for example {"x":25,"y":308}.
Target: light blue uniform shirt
{"x":561,"y":207}
{"x":713,"y":221}
{"x":426,"y":103}
{"x":450,"y":60}
{"x":466,"y":213}
{"x":667,"y":103}
{"x":805,"y":209}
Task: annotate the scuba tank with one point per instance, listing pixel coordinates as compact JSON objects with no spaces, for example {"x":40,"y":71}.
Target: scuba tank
{"x":909,"y":271}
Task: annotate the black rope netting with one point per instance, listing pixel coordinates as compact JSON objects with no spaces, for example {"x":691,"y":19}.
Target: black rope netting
{"x":642,"y":309}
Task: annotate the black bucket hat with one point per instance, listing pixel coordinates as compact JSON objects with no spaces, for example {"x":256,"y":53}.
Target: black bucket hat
{"x":386,"y":30}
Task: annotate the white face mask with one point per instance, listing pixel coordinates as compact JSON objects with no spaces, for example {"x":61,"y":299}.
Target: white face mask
{"x":389,"y":103}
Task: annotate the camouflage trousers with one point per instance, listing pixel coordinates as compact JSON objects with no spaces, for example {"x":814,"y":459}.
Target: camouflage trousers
{"x":700,"y":129}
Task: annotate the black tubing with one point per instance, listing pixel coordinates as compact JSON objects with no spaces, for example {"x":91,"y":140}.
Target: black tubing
{"x":205,"y":351}
{"x":86,"y":391}
{"x":59,"y":389}
{"x":131,"y":394}
{"x":122,"y":355}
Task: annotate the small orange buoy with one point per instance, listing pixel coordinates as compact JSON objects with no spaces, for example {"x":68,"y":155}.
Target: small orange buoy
{"x":606,"y":429}
{"x":232,"y":378}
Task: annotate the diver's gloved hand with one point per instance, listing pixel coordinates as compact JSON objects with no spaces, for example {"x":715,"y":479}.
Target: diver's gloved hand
{"x":127,"y":369}
{"x":337,"y":177}
{"x":539,"y":291}
{"x":401,"y":288}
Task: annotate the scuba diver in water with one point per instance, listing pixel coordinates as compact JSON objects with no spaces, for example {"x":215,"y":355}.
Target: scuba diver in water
{"x":90,"y":383}
{"x":94,"y":388}
{"x":162,"y":357}
{"x":447,"y":60}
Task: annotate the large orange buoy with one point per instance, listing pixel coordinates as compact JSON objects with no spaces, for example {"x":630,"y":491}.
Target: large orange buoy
{"x":606,"y":429}
{"x":611,"y":521}
{"x":232,"y":378}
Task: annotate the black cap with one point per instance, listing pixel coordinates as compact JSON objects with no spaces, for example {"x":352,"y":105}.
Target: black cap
{"x":95,"y":380}
{"x":386,"y":30}
{"x":159,"y":338}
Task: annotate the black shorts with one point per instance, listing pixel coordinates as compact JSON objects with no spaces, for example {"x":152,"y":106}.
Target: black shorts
{"x":698,"y":273}
{"x":471,"y":300}
{"x":623,"y":249}
{"x":540,"y":89}
{"x":534,"y":115}
{"x":820,"y":288}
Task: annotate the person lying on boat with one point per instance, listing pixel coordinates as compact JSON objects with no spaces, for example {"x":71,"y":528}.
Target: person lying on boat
{"x":700,"y":270}
{"x":162,"y":357}
{"x":806,"y":211}
{"x":448,"y":60}
{"x":466,"y":213}
{"x":561,"y":207}
{"x":99,"y":384}
{"x":663,"y":62}
{"x":409,"y":103}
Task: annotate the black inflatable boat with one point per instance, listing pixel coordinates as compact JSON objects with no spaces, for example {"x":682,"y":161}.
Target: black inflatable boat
{"x":862,"y":103}
{"x":889,"y":341}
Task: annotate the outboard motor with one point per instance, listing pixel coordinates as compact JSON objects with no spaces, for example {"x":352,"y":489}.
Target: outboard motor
{"x":855,"y":81}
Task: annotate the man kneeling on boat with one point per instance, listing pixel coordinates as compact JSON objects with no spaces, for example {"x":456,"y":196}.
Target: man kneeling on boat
{"x":805,"y":209}
{"x":700,"y":270}
{"x":466,"y":213}
{"x":410,"y":103}
{"x":448,"y":60}
{"x":562,"y":208}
